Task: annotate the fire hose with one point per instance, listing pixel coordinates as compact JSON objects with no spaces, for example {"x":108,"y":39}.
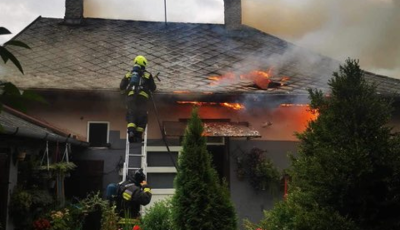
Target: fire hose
{"x":162,"y":130}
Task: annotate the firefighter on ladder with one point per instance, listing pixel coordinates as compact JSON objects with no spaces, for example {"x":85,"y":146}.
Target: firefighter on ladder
{"x":132,"y":194}
{"x":137,"y":84}
{"x":129,"y":195}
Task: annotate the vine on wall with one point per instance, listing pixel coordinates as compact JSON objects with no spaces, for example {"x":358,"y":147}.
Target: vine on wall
{"x":259,"y":170}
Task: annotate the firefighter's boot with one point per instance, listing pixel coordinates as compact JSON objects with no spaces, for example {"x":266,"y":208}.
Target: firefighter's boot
{"x":131,"y":134}
{"x":138,"y":137}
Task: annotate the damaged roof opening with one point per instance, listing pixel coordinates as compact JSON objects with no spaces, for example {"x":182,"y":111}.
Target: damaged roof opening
{"x":213,"y":128}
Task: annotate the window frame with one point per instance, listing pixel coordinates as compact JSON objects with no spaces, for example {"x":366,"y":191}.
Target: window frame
{"x":163,"y":169}
{"x":108,"y":132}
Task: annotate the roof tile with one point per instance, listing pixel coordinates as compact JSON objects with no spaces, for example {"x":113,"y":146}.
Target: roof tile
{"x":96,"y":55}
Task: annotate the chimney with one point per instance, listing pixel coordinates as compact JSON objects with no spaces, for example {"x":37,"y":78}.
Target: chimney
{"x":233,"y":13}
{"x":73,"y":12}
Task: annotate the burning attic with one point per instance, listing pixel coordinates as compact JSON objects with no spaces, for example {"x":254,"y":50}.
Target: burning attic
{"x":257,"y":78}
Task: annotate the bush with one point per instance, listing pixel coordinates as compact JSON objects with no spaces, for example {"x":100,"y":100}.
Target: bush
{"x":300,"y":212}
{"x":158,"y":217}
{"x":20,"y":208}
{"x":200,"y":201}
{"x":109,"y":219}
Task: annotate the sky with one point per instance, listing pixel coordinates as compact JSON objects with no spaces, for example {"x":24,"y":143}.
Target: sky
{"x":368,"y":30}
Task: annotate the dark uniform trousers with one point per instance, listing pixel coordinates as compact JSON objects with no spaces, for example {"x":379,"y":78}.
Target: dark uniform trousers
{"x":136,"y":112}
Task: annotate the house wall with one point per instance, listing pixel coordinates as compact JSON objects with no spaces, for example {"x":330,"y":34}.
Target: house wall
{"x":250,"y":203}
{"x":276,"y":125}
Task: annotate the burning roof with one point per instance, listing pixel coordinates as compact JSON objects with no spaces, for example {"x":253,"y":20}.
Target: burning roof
{"x":229,"y":129}
{"x":234,"y":106}
{"x":97,"y":55}
{"x":257,"y":78}
{"x":213,"y":129}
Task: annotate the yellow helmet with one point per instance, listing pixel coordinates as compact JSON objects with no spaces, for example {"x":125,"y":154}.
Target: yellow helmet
{"x":140,"y":60}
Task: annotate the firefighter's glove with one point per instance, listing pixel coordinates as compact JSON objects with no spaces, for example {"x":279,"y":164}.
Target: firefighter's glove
{"x":145,"y":186}
{"x":128,"y":75}
{"x":147,"y":189}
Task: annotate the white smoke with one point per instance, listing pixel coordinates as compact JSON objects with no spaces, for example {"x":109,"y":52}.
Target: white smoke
{"x":205,"y":11}
{"x":365,"y":30}
{"x":360,"y":29}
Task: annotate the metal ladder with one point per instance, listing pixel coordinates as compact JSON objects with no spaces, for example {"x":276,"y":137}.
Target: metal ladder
{"x":128,"y":155}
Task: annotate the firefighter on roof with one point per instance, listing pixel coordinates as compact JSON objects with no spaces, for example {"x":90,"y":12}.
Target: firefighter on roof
{"x":137,"y":84}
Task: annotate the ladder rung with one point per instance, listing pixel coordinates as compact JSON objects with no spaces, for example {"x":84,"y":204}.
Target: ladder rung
{"x":136,"y":155}
{"x":133,"y":168}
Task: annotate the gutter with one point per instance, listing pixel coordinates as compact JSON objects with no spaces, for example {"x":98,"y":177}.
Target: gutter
{"x":36,"y":121}
{"x":42,"y":136}
{"x":53,"y":134}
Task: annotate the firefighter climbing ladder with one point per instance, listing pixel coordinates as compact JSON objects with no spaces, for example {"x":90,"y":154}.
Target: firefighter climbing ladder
{"x":144,"y":146}
{"x":128,"y":156}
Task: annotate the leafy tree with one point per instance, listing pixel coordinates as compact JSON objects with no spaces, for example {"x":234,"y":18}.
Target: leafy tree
{"x":348,"y":161}
{"x":9,"y":93}
{"x":200,"y":201}
{"x":7,"y":55}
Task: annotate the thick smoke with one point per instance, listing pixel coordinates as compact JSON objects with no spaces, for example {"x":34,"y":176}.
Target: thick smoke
{"x":206,"y":11}
{"x":365,"y":30}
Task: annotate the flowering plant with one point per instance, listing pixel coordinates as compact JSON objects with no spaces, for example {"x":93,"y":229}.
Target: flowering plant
{"x":60,"y":219}
{"x":41,"y":224}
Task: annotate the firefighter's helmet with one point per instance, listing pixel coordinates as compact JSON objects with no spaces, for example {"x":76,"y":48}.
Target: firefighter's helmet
{"x":137,"y":177}
{"x":140,"y":60}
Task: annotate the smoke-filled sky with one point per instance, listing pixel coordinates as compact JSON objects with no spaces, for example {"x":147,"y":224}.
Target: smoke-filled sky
{"x":368,"y":30}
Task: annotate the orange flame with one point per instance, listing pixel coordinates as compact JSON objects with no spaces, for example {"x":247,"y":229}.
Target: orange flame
{"x":235,"y":106}
{"x":226,"y":78}
{"x":311,"y":113}
{"x":260,"y":78}
{"x":181,"y":92}
{"x":284,"y":78}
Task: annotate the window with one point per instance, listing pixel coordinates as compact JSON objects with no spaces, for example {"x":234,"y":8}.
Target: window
{"x":160,"y":167}
{"x":161,"y":159}
{"x":161,"y":180}
{"x":98,"y":133}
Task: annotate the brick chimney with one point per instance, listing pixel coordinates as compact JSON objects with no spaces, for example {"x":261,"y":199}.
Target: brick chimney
{"x":73,"y":12}
{"x":233,"y":13}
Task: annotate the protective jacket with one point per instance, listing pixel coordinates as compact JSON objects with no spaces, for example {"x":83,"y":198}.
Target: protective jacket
{"x":130,"y":197}
{"x":138,"y":81}
{"x":137,"y":84}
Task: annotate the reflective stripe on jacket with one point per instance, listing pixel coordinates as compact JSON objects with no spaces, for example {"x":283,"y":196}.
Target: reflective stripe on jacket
{"x":146,"y":85}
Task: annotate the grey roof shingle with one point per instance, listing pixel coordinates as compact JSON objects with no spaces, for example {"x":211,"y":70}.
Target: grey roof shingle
{"x":15,"y":123}
{"x":96,"y":55}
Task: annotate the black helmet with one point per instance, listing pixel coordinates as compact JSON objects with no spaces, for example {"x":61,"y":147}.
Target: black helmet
{"x":137,"y":177}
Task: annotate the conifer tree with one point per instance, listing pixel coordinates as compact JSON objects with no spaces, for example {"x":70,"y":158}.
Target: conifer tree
{"x":200,"y":201}
{"x":348,"y":161}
